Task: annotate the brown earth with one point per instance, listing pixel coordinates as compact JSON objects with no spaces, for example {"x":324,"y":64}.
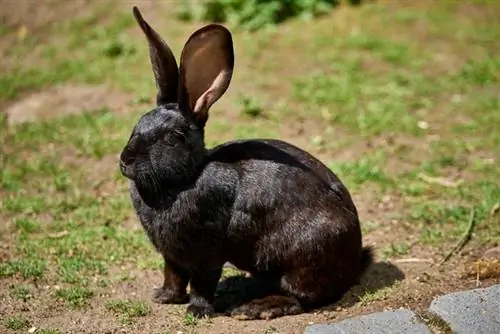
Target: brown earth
{"x":410,"y":282}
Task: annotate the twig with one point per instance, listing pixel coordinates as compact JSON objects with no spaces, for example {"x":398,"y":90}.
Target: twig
{"x":439,"y":180}
{"x":494,"y":209}
{"x":413,"y":260}
{"x":464,"y":239}
{"x":477,"y":274}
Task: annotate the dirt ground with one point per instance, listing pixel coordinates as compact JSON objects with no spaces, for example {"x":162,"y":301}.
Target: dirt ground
{"x":409,"y":281}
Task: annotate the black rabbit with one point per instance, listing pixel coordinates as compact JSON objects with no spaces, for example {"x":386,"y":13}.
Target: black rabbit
{"x":265,"y":206}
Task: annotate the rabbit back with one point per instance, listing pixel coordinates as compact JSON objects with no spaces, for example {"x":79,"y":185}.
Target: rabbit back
{"x":288,"y":207}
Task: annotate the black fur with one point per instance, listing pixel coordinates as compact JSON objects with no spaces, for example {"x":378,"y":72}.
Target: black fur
{"x":264,"y":205}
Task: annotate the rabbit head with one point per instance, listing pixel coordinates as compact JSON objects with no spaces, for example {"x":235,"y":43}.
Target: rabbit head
{"x":166,"y":148}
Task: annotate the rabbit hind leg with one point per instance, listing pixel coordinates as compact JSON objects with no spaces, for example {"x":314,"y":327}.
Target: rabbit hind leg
{"x":269,"y":307}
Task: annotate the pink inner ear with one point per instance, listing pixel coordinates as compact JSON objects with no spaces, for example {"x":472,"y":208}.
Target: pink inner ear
{"x":212,"y":94}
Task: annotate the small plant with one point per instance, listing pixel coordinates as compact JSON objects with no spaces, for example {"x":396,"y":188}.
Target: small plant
{"x":26,"y":268}
{"x":17,"y":323}
{"x":396,"y":249}
{"x":27,"y":225}
{"x":435,"y":322}
{"x":127,"y":310}
{"x":48,"y":331}
{"x":371,"y":296}
{"x":190,"y":320}
{"x":250,"y":106}
{"x":253,"y":14}
{"x":366,"y":169}
{"x":20,"y":292}
{"x":76,"y":297}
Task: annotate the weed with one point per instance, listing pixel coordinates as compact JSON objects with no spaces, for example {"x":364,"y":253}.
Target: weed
{"x":482,"y":72}
{"x":76,"y":297}
{"x":21,"y":292}
{"x":396,"y":249}
{"x":366,"y":169}
{"x":370,"y":296}
{"x":250,"y":106}
{"x":48,"y":331}
{"x":362,"y":102}
{"x":190,"y":320}
{"x":369,"y":226}
{"x":5,"y":30}
{"x":438,"y":219}
{"x":151,"y":263}
{"x":435,"y":322}
{"x":16,"y":323}
{"x":127,"y":310}
{"x":27,"y":268}
{"x":387,"y":50}
{"x":253,"y":14}
{"x":27,"y":225}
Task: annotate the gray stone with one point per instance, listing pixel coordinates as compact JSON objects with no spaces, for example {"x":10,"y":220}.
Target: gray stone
{"x":492,"y":253}
{"x":390,"y":322}
{"x":472,"y":311}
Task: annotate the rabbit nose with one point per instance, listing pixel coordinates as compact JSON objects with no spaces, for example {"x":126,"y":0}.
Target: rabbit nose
{"x":126,"y":165}
{"x":126,"y":158}
{"x":128,"y":154}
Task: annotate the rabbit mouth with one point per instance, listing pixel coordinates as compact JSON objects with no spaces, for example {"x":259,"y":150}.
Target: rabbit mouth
{"x":127,"y":170}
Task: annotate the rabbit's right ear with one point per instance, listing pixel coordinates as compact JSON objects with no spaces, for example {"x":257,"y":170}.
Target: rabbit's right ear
{"x":206,"y":68}
{"x":163,"y":62}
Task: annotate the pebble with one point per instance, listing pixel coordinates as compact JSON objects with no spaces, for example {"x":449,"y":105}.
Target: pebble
{"x":492,"y":253}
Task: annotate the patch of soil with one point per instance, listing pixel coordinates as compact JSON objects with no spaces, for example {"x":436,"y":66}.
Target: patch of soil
{"x":411,"y":285}
{"x":36,"y":17}
{"x":64,"y":100}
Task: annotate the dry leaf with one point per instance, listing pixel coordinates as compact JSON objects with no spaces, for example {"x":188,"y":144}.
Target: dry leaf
{"x":58,"y":234}
{"x":484,"y":268}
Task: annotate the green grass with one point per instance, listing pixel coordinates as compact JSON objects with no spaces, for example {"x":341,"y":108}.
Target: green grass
{"x":381,"y":294}
{"x":395,"y":249}
{"x":75,"y":297}
{"x":21,"y":292}
{"x":27,"y":268}
{"x":366,"y":169}
{"x":436,"y":323}
{"x":253,"y":14}
{"x":16,"y":323}
{"x":190,"y":320}
{"x":103,"y":46}
{"x":381,"y":109}
{"x":127,"y":310}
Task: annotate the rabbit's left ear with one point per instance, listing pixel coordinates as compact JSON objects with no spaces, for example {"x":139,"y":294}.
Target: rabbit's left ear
{"x":206,"y":68}
{"x":163,"y":62}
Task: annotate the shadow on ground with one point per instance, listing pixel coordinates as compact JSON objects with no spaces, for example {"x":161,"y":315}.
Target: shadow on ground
{"x":237,"y":290}
{"x":380,"y":275}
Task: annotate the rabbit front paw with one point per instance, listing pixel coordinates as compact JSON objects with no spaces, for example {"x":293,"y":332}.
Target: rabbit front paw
{"x":167,"y":296}
{"x":200,"y":310}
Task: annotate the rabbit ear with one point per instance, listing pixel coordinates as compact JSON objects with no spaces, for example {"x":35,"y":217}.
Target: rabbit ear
{"x":163,"y":62}
{"x":207,"y":62}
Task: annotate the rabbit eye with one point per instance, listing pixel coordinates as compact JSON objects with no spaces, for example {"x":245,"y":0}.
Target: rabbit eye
{"x":173,"y":136}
